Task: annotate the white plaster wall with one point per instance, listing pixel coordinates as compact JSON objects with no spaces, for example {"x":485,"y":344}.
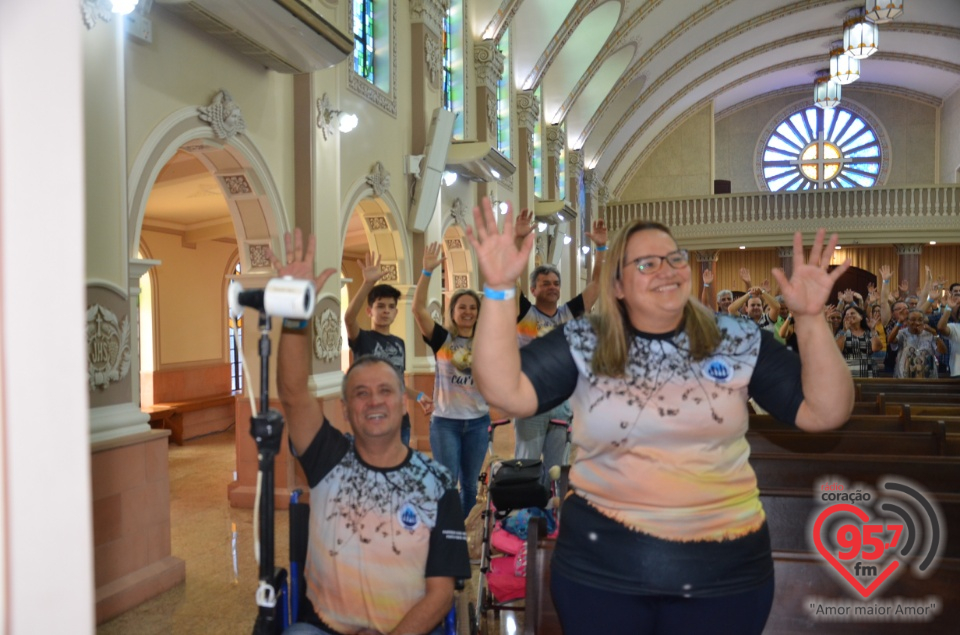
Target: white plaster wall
{"x":950,"y":139}
{"x":681,"y":165}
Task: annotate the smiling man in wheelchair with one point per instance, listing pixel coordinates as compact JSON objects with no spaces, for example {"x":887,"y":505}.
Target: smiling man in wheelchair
{"x":386,"y":540}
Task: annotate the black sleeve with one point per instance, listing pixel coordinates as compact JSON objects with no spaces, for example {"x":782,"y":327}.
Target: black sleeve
{"x":524,"y":307}
{"x":359,"y":345}
{"x":438,"y":338}
{"x":548,"y":364}
{"x":576,"y":306}
{"x":775,"y":383}
{"x":448,"y":557}
{"x":328,"y":447}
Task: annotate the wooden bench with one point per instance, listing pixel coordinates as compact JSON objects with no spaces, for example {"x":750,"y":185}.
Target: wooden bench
{"x":868,"y":387}
{"x":802,"y":471}
{"x":192,"y":418}
{"x":896,"y":443}
{"x":539,"y":614}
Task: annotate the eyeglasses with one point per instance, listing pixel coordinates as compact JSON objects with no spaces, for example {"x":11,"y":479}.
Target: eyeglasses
{"x":651,"y":264}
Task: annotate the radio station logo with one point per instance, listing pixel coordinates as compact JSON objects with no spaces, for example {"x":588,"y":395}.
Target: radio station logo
{"x":868,"y":538}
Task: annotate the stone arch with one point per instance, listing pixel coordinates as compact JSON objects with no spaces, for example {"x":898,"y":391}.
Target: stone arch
{"x":241,"y":171}
{"x":384,"y":226}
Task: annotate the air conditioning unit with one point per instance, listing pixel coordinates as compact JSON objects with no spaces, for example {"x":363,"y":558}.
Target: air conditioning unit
{"x":284,"y":35}
{"x":553,"y":212}
{"x":478,"y":161}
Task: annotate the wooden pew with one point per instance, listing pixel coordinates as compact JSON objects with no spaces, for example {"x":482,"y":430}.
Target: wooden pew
{"x":869,"y":387}
{"x":896,"y":443}
{"x":539,"y":614}
{"x":801,"y":471}
{"x":192,"y":418}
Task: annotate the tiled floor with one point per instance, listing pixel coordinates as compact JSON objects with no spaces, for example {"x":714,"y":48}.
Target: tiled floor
{"x":212,"y":601}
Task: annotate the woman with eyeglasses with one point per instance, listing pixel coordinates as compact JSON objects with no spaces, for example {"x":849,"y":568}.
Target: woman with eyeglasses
{"x":664,"y":531}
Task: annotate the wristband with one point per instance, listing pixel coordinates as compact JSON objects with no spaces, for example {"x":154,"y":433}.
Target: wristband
{"x":947,"y":309}
{"x":294,"y":325}
{"x":420,"y":396}
{"x":498,"y":294}
{"x":427,"y":273}
{"x":706,"y":284}
{"x":600,"y":248}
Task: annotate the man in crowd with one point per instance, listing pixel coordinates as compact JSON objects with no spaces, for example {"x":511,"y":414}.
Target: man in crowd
{"x":387,"y":538}
{"x":536,"y":436}
{"x":381,"y":301}
{"x":949,"y":328}
{"x":755,"y":299}
{"x":724,"y":297}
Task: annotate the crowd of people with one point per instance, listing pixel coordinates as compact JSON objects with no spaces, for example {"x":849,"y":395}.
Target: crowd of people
{"x":656,"y":384}
{"x":904,"y":335}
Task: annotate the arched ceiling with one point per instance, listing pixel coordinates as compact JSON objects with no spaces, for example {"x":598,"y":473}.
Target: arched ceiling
{"x":662,"y":60}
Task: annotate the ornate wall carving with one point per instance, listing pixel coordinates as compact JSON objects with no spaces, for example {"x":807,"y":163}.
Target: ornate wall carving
{"x":108,"y":347}
{"x":378,"y":179}
{"x":434,"y":58}
{"x":327,"y":340}
{"x":429,"y":13}
{"x":488,"y":63}
{"x":459,"y":213}
{"x":224,"y":116}
{"x":555,"y":140}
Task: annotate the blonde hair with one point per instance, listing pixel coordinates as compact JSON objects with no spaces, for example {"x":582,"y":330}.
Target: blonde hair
{"x":612,"y":324}
{"x":459,"y":293}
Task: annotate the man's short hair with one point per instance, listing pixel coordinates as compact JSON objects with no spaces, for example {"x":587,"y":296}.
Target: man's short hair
{"x":542,"y":270}
{"x":725,"y":292}
{"x":955,"y":284}
{"x":912,"y":297}
{"x":383,"y":291}
{"x":367,"y":360}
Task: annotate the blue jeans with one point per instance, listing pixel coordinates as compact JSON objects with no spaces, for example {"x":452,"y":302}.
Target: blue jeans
{"x":536,"y":436}
{"x":460,"y":445}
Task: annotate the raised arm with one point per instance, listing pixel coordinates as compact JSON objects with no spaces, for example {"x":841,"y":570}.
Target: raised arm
{"x":523,"y":228}
{"x":736,"y":305}
{"x":372,"y":274}
{"x":301,"y":408}
{"x":709,"y":295}
{"x":825,"y":379}
{"x":773,"y":307}
{"x":599,"y":237}
{"x":884,"y":294}
{"x":924,"y":293}
{"x":747,"y":280}
{"x":943,"y":326}
{"x":496,"y":355}
{"x":432,"y":257}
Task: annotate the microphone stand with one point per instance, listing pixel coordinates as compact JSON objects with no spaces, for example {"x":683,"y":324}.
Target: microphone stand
{"x":266,"y":427}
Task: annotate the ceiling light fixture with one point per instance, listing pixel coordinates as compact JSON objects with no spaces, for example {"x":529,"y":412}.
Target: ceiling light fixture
{"x":861,"y":37}
{"x":585,"y":250}
{"x":826,"y":94}
{"x":881,"y":11}
{"x":843,"y":68}
{"x":449,"y":178}
{"x":541,"y":227}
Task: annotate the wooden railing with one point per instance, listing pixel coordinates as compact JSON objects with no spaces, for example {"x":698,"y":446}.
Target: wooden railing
{"x":875,"y":215}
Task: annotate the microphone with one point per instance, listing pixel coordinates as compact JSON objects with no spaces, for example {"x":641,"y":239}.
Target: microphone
{"x":286,"y":297}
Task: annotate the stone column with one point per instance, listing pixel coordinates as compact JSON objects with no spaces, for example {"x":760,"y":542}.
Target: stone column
{"x":555,"y":141}
{"x":528,"y":113}
{"x":488,"y":65}
{"x":908,"y":265}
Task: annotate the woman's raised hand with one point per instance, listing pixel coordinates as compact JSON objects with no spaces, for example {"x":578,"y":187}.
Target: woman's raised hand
{"x":500,"y":259}
{"x":809,"y":287}
{"x":433,"y":256}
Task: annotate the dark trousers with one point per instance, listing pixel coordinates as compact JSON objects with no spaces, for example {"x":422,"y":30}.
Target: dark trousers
{"x":585,"y":610}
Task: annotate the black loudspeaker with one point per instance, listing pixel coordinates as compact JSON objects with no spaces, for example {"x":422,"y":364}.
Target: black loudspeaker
{"x":721,"y":187}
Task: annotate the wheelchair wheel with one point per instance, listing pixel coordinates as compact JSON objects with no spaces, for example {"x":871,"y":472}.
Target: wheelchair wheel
{"x":472,"y":616}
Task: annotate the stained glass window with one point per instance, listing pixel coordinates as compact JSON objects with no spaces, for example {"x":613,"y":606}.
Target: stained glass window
{"x":822,"y":149}
{"x":538,"y":153}
{"x":503,"y":97}
{"x":453,"y":64}
{"x":363,"y":39}
{"x":562,"y":165}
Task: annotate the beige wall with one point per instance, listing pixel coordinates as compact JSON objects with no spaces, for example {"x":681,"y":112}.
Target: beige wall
{"x":190,"y":299}
{"x":681,"y":166}
{"x":950,"y":139}
{"x":910,"y":127}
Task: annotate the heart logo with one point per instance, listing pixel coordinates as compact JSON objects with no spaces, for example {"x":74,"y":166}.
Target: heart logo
{"x":892,"y":565}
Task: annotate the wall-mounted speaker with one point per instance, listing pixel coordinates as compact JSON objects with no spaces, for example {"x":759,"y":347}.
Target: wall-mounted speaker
{"x":427,"y":187}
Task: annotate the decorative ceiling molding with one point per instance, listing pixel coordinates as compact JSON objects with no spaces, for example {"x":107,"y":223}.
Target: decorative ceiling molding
{"x":224,"y":116}
{"x":641,"y":64}
{"x":639,"y":132}
{"x":577,"y":14}
{"x":504,"y":16}
{"x":488,"y":63}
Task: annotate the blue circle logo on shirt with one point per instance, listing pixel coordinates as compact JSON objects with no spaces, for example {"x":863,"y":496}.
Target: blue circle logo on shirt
{"x":408,"y":516}
{"x":718,"y":370}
